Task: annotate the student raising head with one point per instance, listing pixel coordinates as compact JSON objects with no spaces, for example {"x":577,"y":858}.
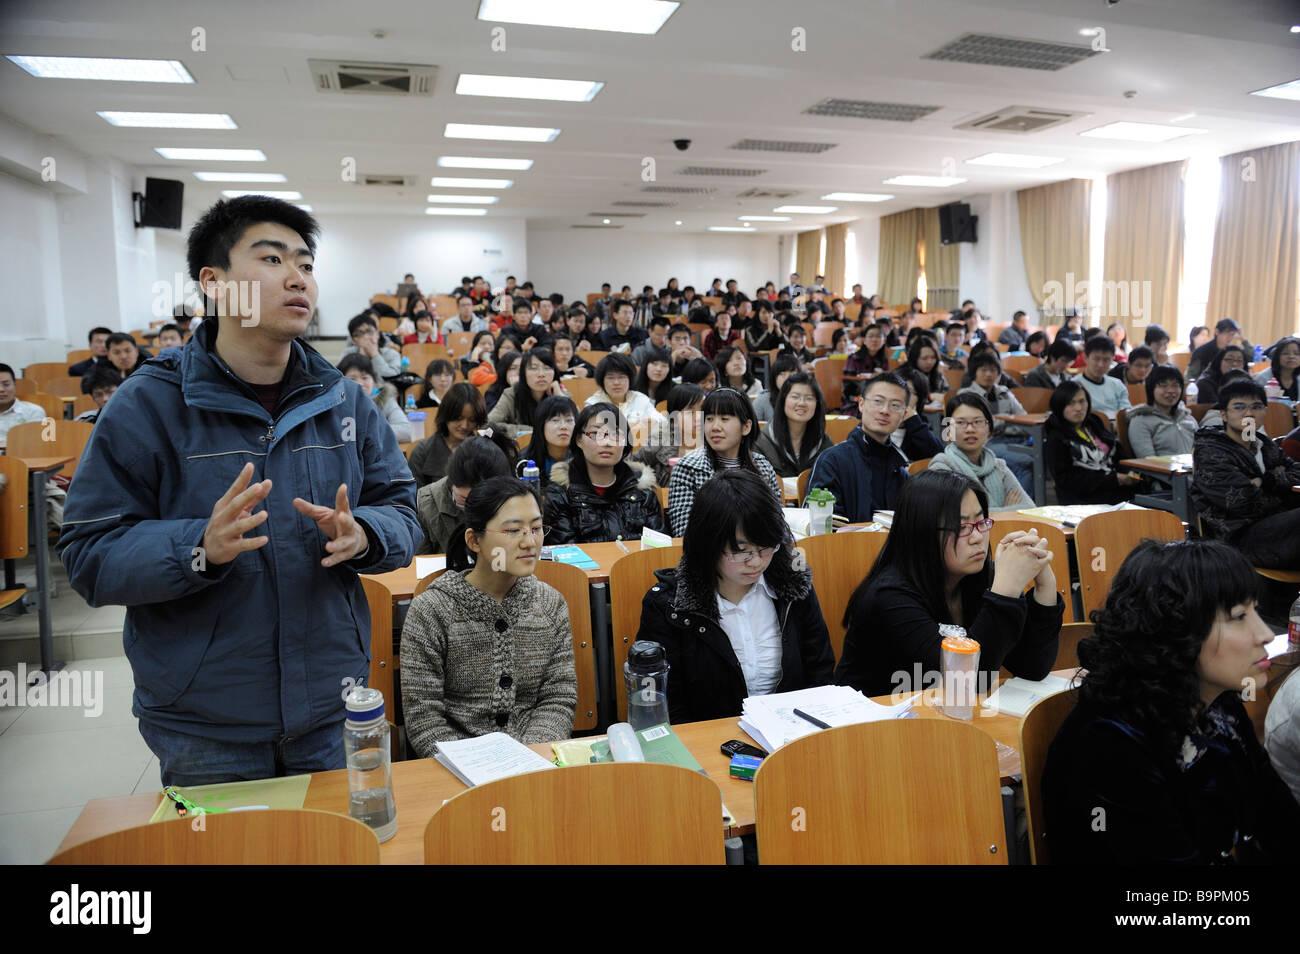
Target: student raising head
{"x":796,"y":436}
{"x":517,"y":405}
{"x":968,"y":422}
{"x":1082,"y":452}
{"x":654,"y":379}
{"x":460,"y":415}
{"x":734,"y":371}
{"x":936,"y":568}
{"x":553,"y":424}
{"x":923,"y":358}
{"x":439,"y":376}
{"x":738,"y":616}
{"x":441,"y":504}
{"x":489,"y":648}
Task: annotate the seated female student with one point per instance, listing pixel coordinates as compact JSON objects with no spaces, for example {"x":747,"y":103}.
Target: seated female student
{"x":614,"y":376}
{"x":1231,"y":358}
{"x":1004,"y":380}
{"x":778,"y":369}
{"x":738,"y":616}
{"x":1036,"y":344}
{"x":1163,"y":426}
{"x":796,"y":336}
{"x":441,"y":504}
{"x":567,"y":363}
{"x":913,"y":437}
{"x":553,"y":424}
{"x":507,"y":373}
{"x":359,"y":369}
{"x":734,"y":371}
{"x":923,"y":359}
{"x":426,"y":327}
{"x":764,"y":334}
{"x":677,"y":437}
{"x":1007,"y":440}
{"x":595,"y":328}
{"x":488,"y":647}
{"x":869,"y":360}
{"x":439,"y":376}
{"x":1116,"y":333}
{"x":968,"y":422}
{"x":481,"y":355}
{"x":841,"y":343}
{"x":1072,"y":330}
{"x":730,"y":430}
{"x":1159,"y":738}
{"x":1282,"y":378}
{"x":460,"y":415}
{"x":654,"y":378}
{"x":1082,"y":452}
{"x":597,"y":495}
{"x":796,"y":435}
{"x":536,"y":381}
{"x":936,"y":568}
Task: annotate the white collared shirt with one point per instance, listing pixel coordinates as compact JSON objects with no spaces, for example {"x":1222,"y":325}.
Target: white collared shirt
{"x":755,"y":634}
{"x":20,"y":412}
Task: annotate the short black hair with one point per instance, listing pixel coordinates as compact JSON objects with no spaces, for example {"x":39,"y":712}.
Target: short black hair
{"x":621,"y":304}
{"x":1243,"y":387}
{"x":220,"y":228}
{"x":1018,"y":314}
{"x":983,"y":360}
{"x":1141,"y":353}
{"x":119,"y":337}
{"x":1098,"y":342}
{"x":661,"y":321}
{"x":889,"y":377}
{"x":1226,"y":324}
{"x":453,"y":404}
{"x":1159,"y":374}
{"x":679,"y":329}
{"x":358,"y":361}
{"x":5,"y":369}
{"x":617,"y":363}
{"x":172,"y":326}
{"x":359,"y":321}
{"x":522,"y":304}
{"x":104,"y":378}
{"x":970,"y":399}
{"x":1062,"y":348}
{"x":100,"y":330}
{"x":474,"y":461}
{"x":1154,"y":335}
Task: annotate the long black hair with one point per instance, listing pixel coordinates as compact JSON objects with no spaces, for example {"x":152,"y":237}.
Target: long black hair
{"x":552,"y":406}
{"x":934,"y":378}
{"x":525,"y":403}
{"x":720,"y":366}
{"x":1159,"y":374}
{"x":1275,"y":363}
{"x":659,"y":392}
{"x":697,"y":370}
{"x":728,"y":402}
{"x":926,"y":519}
{"x":783,"y":362}
{"x":1214,"y":372}
{"x":482,"y":504}
{"x":453,"y":404}
{"x":1160,"y":609}
{"x":602,"y":412}
{"x":1062,"y":395}
{"x":813,"y":433}
{"x":502,"y":367}
{"x":681,"y":398}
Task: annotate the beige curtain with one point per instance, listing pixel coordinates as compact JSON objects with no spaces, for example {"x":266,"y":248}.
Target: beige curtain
{"x":836,"y":236}
{"x":808,"y":254}
{"x":1144,"y":248}
{"x":1054,"y":235}
{"x":1253,"y":271}
{"x":899,"y":261}
{"x":941,"y":263}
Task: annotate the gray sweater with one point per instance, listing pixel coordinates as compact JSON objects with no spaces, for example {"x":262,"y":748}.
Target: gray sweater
{"x":472,"y":666}
{"x":1152,"y":433}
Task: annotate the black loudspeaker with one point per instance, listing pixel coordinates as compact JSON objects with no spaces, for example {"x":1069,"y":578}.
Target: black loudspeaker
{"x":956,"y":224}
{"x":161,"y":204}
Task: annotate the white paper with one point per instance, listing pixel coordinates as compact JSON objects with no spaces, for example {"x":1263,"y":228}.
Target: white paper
{"x":424,"y":565}
{"x":791,"y":485}
{"x":1017,"y":696}
{"x":770,"y":720}
{"x":650,"y":539}
{"x":488,"y":758}
{"x":798,"y":519}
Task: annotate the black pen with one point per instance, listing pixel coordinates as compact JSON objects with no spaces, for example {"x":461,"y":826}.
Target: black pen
{"x":807,"y":718}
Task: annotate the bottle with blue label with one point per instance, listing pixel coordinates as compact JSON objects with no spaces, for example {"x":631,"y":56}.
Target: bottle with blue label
{"x":406,"y":363}
{"x":366,"y":747}
{"x":531,"y":474}
{"x":1259,"y":352}
{"x":410,"y":403}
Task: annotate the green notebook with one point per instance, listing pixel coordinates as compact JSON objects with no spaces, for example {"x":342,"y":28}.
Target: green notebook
{"x":288,"y":792}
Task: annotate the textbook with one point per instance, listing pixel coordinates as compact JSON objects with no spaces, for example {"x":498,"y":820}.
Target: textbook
{"x":1071,"y":515}
{"x":771,"y":722}
{"x":487,"y":758}
{"x":575,"y":556}
{"x":1016,"y":696}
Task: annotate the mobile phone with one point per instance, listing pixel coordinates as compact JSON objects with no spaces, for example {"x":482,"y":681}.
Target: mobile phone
{"x":736,"y":747}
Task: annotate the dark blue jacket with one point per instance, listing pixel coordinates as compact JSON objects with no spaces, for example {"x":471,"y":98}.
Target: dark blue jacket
{"x":865,"y":476}
{"x":258,"y":647}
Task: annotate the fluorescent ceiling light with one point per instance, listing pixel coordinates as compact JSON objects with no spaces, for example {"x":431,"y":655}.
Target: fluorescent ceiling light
{"x":807,"y":209}
{"x":185,"y":153}
{"x":763,"y":218}
{"x":933,"y":182}
{"x":1013,"y":160}
{"x":236,"y":193}
{"x":305,"y":208}
{"x":96,"y":68}
{"x":856,"y":197}
{"x":464,"y":199}
{"x":1140,"y":132}
{"x":509,"y":133}
{"x":481,"y":162}
{"x":1289,"y":90}
{"x":432,"y":211}
{"x":240,"y":177}
{"x":168,"y":120}
{"x":678,"y":222}
{"x":626,"y":16}
{"x":729,"y":228}
{"x":449,"y":182}
{"x":528,"y":87}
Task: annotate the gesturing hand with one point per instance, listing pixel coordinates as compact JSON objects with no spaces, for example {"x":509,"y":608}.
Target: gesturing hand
{"x":347,"y":538}
{"x":232,"y":517}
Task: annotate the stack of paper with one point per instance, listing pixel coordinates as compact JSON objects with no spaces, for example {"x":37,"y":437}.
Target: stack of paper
{"x":1017,"y":696}
{"x":1071,"y":515}
{"x":883,"y":517}
{"x":798,"y":520}
{"x":488,"y":758}
{"x":771,"y":722}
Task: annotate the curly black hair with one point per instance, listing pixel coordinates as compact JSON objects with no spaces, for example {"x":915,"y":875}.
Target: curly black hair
{"x":1162,"y":604}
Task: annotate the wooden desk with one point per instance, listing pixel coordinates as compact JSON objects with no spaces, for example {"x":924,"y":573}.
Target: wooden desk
{"x":422,"y":785}
{"x":1177,"y":473}
{"x":38,"y":471}
{"x":1034,"y":423}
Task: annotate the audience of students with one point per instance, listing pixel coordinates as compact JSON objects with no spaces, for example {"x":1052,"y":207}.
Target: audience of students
{"x":1082,"y":452}
{"x":441,"y":504}
{"x":1163,"y":426}
{"x":461,"y":414}
{"x":796,"y":435}
{"x":1226,"y":332}
{"x":364,"y":339}
{"x":1017,"y":333}
{"x":97,"y":341}
{"x":13,"y":411}
{"x":968,"y":422}
{"x":870,"y":359}
{"x":622,"y":335}
{"x":357,"y":367}
{"x":524,"y":330}
{"x":1136,"y":368}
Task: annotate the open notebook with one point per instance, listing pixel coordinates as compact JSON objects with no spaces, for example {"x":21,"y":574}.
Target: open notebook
{"x":487,"y":758}
{"x":771,"y":722}
{"x":1017,"y":696}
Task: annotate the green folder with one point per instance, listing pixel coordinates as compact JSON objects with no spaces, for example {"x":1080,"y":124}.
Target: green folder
{"x":288,"y":792}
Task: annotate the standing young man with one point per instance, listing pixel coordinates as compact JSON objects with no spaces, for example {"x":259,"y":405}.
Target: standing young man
{"x":229,"y":503}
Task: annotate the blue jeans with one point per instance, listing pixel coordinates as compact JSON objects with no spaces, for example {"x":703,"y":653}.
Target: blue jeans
{"x":1019,"y":461}
{"x":193,"y":760}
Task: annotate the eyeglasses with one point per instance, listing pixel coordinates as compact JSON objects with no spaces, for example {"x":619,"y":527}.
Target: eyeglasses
{"x":972,"y":424}
{"x":745,"y":556}
{"x":879,"y":404}
{"x":1239,"y":408}
{"x":801,"y":398}
{"x":602,"y":436}
{"x":983,"y":526}
{"x":516,"y":534}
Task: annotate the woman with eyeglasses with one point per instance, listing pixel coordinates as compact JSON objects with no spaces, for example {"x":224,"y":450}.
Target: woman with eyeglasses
{"x":1162,"y":426}
{"x":1231,"y":358}
{"x":441,"y":504}
{"x":489,"y":648}
{"x":553,"y":425}
{"x":597,"y":495}
{"x":537,"y":380}
{"x":967,"y":425}
{"x":1283,"y":372}
{"x":936,"y":568}
{"x":796,"y":436}
{"x":738,"y":616}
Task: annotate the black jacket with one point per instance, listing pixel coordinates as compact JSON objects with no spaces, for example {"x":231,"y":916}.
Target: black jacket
{"x":706,"y":681}
{"x":893,"y":632}
{"x":535,"y":330}
{"x":577,"y":514}
{"x":1082,"y":474}
{"x":1228,"y":806}
{"x":865,"y":476}
{"x":1222,"y":492}
{"x":429,"y":460}
{"x":784,"y":464}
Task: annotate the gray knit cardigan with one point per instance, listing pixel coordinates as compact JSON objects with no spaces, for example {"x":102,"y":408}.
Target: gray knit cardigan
{"x":471,"y":665}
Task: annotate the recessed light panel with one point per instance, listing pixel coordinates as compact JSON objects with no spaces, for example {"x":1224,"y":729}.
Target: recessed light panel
{"x":483,"y":162}
{"x":108,"y":70}
{"x":504,"y":133}
{"x":625,"y":16}
{"x":528,"y":87}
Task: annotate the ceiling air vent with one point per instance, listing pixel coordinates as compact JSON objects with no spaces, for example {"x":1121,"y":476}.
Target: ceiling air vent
{"x":393,"y":182}
{"x":989,"y":50}
{"x":617,"y":215}
{"x":679,"y":190}
{"x":782,"y":145}
{"x":719,"y":171}
{"x":765,"y":194}
{"x":861,"y":109}
{"x":1021,"y":119}
{"x":387,"y":79}
{"x":646,"y":205}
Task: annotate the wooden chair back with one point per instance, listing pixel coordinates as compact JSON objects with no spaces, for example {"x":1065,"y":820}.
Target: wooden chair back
{"x":573,"y":586}
{"x":829,"y":373}
{"x":523,"y":440}
{"x":615,"y":813}
{"x":801,"y":486}
{"x":1037,"y":730}
{"x":380,"y":600}
{"x":276,"y":837}
{"x":1019,"y":362}
{"x":593,"y":357}
{"x":387,"y":324}
{"x":1121,"y":431}
{"x":459,"y":342}
{"x":630,"y":578}
{"x":78,"y":355}
{"x":1279,"y":420}
{"x":51,"y":404}
{"x":26,"y":386}
{"x":69,"y":440}
{"x":1137,"y":394}
{"x":422,"y":584}
{"x":1104,"y":540}
{"x":63,"y":387}
{"x":839,"y":562}
{"x":385,"y":299}
{"x":580,"y":389}
{"x":1056,"y":542}
{"x":840,"y":428}
{"x":916,"y":466}
{"x":444,"y":304}
{"x":824,"y":332}
{"x":953,"y":376}
{"x":1199,"y":410}
{"x":662,"y":494}
{"x":1034,"y":400}
{"x":1180,"y":360}
{"x":1067,"y":647}
{"x":44,"y":371}
{"x":904,"y":791}
{"x":422,"y":354}
{"x":13,"y":509}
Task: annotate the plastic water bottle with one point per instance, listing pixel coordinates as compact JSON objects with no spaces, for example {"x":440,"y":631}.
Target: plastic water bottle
{"x":1293,"y":629}
{"x":532,"y":474}
{"x":367,"y":745}
{"x":1259,"y":352}
{"x":410,"y":403}
{"x":646,"y":676}
{"x":1191,"y":392}
{"x":406,"y":363}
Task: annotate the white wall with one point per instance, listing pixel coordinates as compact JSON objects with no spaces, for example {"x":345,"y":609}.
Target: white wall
{"x":576,"y":261}
{"x":866,"y":234}
{"x":993,"y":269}
{"x":30,"y":271}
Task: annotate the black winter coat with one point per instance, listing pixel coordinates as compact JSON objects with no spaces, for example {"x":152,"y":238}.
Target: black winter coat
{"x":1082,"y":474}
{"x":577,"y":514}
{"x":1222,"y":490}
{"x":706,"y":681}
